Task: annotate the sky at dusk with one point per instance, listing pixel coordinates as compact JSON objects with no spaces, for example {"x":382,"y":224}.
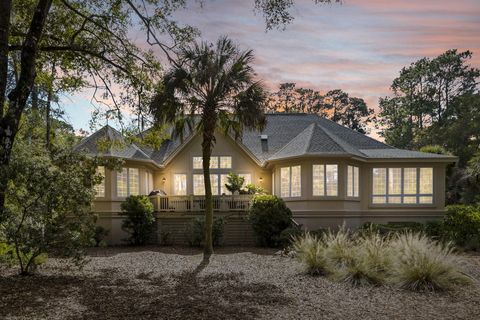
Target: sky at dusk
{"x":358,"y":46}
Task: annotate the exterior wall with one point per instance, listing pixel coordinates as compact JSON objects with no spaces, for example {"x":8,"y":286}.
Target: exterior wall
{"x":108,"y":208}
{"x":331,"y":211}
{"x":224,"y":146}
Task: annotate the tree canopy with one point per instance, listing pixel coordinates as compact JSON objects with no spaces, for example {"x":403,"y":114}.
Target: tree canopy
{"x":335,"y":105}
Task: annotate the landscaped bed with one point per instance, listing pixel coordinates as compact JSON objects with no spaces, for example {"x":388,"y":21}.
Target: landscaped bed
{"x":239,"y":283}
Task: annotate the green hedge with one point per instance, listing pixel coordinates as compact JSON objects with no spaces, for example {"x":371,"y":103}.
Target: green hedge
{"x":461,"y":224}
{"x":269,"y":216}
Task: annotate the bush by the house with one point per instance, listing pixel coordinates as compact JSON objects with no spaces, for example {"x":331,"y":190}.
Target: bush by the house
{"x":99,"y":236}
{"x":461,"y":224}
{"x":195,"y":232}
{"x":288,"y":235}
{"x":269,"y":216}
{"x":408,"y":260}
{"x":139,"y":220}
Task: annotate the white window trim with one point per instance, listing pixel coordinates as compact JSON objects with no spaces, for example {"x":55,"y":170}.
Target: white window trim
{"x":402,"y":195}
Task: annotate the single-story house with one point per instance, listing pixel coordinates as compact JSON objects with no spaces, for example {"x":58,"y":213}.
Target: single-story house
{"x":327,"y":174}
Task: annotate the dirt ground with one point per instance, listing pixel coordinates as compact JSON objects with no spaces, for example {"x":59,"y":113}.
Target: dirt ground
{"x":239,"y":283}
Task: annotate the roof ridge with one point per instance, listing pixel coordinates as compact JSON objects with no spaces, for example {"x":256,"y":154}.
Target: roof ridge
{"x":291,"y":140}
{"x":336,"y":139}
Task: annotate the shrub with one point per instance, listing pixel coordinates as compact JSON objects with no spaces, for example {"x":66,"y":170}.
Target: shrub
{"x":100,"y":233}
{"x":419,"y":263}
{"x":234,"y":182}
{"x":269,"y":216}
{"x":288,"y":235}
{"x":338,"y":248}
{"x":195,"y":232}
{"x":139,"y":219}
{"x":392,"y":228}
{"x":7,"y":254}
{"x":47,"y":209}
{"x":311,"y":252}
{"x":369,"y":261}
{"x":250,"y":188}
{"x":461,"y":223}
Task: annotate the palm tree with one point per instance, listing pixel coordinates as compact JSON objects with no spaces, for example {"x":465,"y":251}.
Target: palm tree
{"x":211,"y":88}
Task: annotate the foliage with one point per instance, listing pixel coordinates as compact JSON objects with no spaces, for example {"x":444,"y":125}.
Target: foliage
{"x":335,"y":105}
{"x":407,"y":259}
{"x":269,"y":216}
{"x":212,"y":88}
{"x":288,"y":235}
{"x":48,"y":205}
{"x":195,"y":232}
{"x":419,"y":263}
{"x":435,"y":102}
{"x":234,"y":183}
{"x":139,"y":219}
{"x":461,"y":224}
{"x":99,"y":235}
{"x":392,"y":228}
{"x":311,"y":252}
{"x":7,"y":254}
{"x":250,"y":188}
{"x":434,"y":149}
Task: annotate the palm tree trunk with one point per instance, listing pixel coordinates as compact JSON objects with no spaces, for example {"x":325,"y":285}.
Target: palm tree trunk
{"x":208,"y":137}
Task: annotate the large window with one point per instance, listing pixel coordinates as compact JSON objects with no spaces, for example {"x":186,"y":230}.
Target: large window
{"x":402,"y":185}
{"x":180,"y":184}
{"x":352,"y":181}
{"x":100,"y":188}
{"x":223,"y":162}
{"x":290,"y":182}
{"x":128,"y":182}
{"x":148,"y":182}
{"x":218,"y":182}
{"x":325,"y":180}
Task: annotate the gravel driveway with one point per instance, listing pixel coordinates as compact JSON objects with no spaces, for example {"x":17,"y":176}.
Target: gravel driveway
{"x":239,"y":283}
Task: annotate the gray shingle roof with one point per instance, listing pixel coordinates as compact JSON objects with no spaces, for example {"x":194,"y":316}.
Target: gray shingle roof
{"x":288,"y":135}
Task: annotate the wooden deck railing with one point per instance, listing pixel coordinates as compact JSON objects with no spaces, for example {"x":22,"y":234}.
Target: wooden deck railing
{"x":197,"y":203}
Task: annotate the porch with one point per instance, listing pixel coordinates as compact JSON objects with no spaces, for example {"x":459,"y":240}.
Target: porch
{"x":221,"y":203}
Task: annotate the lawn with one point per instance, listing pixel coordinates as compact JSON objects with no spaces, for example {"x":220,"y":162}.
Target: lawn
{"x":239,"y":283}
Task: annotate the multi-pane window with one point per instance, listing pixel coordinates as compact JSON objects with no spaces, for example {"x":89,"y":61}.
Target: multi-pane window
{"x":290,"y":181}
{"x":180,"y":184}
{"x":100,"y":188}
{"x":133,"y":181}
{"x":128,"y":182}
{"x":199,"y":185}
{"x":352,"y":181}
{"x":402,"y":185}
{"x":325,"y":180}
{"x":122,"y":183}
{"x":148,"y":182}
{"x":223,"y":162}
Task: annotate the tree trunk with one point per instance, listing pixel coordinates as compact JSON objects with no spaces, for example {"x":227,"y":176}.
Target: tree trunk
{"x":5,"y":8}
{"x":207,"y":143}
{"x":17,"y":99}
{"x":48,"y":111}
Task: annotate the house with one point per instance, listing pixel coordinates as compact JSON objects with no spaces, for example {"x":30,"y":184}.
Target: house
{"x":327,"y":174}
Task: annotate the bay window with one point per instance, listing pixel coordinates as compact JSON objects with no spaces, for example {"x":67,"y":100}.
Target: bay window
{"x":100,"y":188}
{"x":402,"y":186}
{"x":352,"y":181}
{"x":325,"y":180}
{"x":128,"y":182}
{"x":290,"y":181}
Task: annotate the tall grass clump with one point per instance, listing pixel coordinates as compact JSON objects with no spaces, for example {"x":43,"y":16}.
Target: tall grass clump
{"x":368,"y":261}
{"x":422,"y":264}
{"x":311,"y":252}
{"x":338,"y":248}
